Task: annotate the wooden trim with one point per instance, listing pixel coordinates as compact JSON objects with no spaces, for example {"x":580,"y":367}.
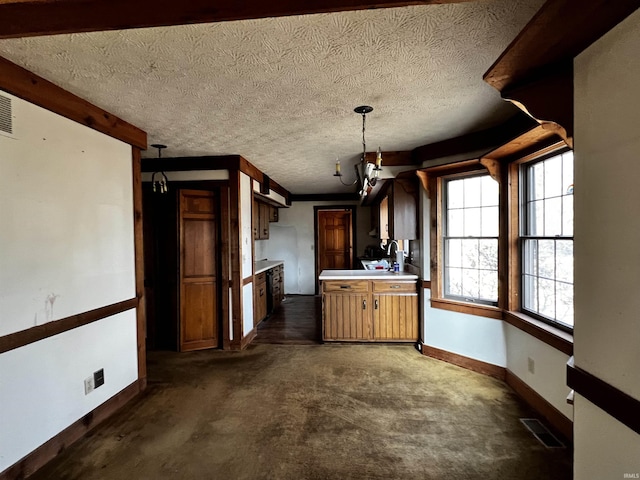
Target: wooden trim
{"x":187,"y":164}
{"x":544,"y":332}
{"x":35,"y":334}
{"x":465,"y":362}
{"x":555,"y":417}
{"x":248,"y":168}
{"x":620,"y":405}
{"x":486,"y":311}
{"x":38,"y":91}
{"x":235,"y":250}
{"x":248,"y":338}
{"x":426,"y":284}
{"x":247,"y":280}
{"x":48,"y":17}
{"x":473,"y":143}
{"x":141,"y":312}
{"x":53,"y":447}
{"x":225,"y":258}
{"x":557,"y":33}
{"x":325,"y":197}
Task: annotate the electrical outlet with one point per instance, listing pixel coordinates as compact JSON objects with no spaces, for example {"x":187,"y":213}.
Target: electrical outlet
{"x":88,"y":385}
{"x":98,"y":378}
{"x":531,"y":365}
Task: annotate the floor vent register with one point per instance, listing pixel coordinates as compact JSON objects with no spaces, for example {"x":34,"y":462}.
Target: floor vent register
{"x":541,"y":432}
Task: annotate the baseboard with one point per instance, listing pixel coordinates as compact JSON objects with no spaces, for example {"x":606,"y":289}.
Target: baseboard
{"x":556,"y":419}
{"x":551,"y":414}
{"x":49,"y":450}
{"x":248,"y":338}
{"x":465,"y":362}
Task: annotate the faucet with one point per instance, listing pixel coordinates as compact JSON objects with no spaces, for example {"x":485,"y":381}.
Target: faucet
{"x":389,"y":245}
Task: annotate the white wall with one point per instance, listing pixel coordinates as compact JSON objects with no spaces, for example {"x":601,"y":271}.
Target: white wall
{"x":66,"y":247}
{"x":607,"y":233}
{"x":292,"y":239}
{"x":42,"y":384}
{"x":67,"y":233}
{"x":246,"y":232}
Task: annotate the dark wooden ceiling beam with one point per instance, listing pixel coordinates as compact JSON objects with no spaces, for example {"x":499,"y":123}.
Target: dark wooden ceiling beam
{"x":558,"y":32}
{"x":23,"y":18}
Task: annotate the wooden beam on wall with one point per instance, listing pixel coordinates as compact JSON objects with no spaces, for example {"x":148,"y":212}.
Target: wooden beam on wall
{"x":20,"y":18}
{"x":392,"y":159}
{"x":556,"y":34}
{"x":35,"y":89}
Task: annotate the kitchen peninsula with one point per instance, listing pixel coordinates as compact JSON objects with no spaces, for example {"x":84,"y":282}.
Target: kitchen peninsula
{"x":369,"y":306}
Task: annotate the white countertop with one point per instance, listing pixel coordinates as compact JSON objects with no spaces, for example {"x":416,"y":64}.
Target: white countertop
{"x":264,"y":265}
{"x":365,"y":275}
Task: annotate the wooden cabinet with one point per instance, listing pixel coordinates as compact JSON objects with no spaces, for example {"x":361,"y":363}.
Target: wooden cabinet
{"x":370,"y":310}
{"x":260,"y":220}
{"x":259,"y":298}
{"x":398,"y":211}
{"x":273,"y":213}
{"x":277,"y":288}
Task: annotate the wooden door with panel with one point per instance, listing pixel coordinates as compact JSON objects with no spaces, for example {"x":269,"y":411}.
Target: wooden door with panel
{"x":198,"y":236}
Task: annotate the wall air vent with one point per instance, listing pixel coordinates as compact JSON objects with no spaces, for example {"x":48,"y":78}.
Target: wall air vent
{"x":6,"y":118}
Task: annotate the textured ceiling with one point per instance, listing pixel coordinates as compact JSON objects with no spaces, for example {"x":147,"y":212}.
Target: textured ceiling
{"x":281,"y":91}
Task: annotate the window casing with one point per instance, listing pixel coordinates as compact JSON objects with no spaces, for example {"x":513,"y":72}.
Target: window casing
{"x":470,"y":239}
{"x":546,"y":239}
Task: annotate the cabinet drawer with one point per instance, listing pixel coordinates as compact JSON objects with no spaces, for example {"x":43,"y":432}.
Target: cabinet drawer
{"x":345,"y":286}
{"x":261,"y":278}
{"x":395,"y":287}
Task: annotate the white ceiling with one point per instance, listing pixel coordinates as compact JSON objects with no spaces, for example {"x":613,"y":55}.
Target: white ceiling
{"x":281,"y":91}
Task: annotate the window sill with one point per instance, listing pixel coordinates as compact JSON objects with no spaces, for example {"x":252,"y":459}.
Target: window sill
{"x":554,"y":337}
{"x":487,"y":311}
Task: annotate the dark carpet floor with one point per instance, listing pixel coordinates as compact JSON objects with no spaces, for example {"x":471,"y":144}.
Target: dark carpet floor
{"x":314,"y":412}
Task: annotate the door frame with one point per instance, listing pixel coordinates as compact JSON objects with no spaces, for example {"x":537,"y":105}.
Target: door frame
{"x":354,"y":237}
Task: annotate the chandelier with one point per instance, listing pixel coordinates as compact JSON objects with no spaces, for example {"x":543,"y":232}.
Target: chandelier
{"x":367,"y":174}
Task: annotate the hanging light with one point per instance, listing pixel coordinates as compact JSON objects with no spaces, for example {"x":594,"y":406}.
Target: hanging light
{"x":367,"y":174}
{"x":160,"y":185}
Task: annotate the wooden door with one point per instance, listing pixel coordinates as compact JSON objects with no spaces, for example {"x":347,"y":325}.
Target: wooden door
{"x":334,"y":240}
{"x":198,"y":270}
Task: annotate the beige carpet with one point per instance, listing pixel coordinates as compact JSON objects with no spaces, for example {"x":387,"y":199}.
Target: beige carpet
{"x":314,"y":412}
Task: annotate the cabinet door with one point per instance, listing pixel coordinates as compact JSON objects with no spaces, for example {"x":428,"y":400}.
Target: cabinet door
{"x":264,"y":221}
{"x":395,"y":317}
{"x":255,"y":219}
{"x":347,"y":317}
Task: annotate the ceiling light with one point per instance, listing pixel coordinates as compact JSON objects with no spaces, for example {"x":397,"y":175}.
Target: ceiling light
{"x":160,"y":185}
{"x":367,"y":174}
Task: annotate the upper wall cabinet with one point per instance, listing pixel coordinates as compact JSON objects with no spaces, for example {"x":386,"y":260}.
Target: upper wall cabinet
{"x":399,"y":211}
{"x":263,"y":213}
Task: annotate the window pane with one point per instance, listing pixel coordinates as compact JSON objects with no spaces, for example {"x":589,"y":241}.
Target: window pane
{"x":547,"y":298}
{"x":535,"y":224}
{"x":488,"y":254}
{"x":470,"y":253}
{"x":472,"y":192}
{"x":455,"y":223}
{"x":564,"y":261}
{"x":530,"y":257}
{"x":536,"y":185}
{"x":553,"y":177}
{"x":454,"y":194}
{"x":470,"y":283}
{"x":489,"y":285}
{"x":546,"y":259}
{"x":530,"y":294}
{"x":453,"y":282}
{"x":454,"y":253}
{"x":553,"y":217}
{"x":567,"y":215}
{"x":567,"y":172}
{"x":472,"y":219}
{"x":490,"y":219}
{"x":490,"y":192}
{"x":564,"y":307}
